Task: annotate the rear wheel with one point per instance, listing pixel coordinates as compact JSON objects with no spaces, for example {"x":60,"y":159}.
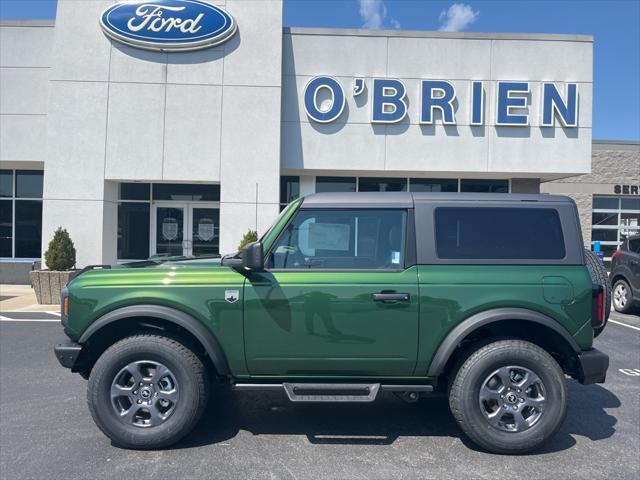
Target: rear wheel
{"x":622,"y":297}
{"x":147,"y":391}
{"x":509,"y":396}
{"x":600,"y":276}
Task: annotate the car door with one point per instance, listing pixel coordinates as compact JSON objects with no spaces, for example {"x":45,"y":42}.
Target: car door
{"x":338,"y":297}
{"x":633,"y":260}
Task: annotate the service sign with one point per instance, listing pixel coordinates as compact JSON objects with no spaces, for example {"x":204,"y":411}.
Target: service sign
{"x":167,"y":25}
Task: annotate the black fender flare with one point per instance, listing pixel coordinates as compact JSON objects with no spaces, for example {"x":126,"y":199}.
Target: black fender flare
{"x":466,"y":327}
{"x":207,"y":339}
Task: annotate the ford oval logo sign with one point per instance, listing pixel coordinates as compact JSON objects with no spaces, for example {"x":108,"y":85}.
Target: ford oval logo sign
{"x":167,"y":25}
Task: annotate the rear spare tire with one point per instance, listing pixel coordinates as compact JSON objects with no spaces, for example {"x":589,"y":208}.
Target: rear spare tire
{"x":599,"y":275}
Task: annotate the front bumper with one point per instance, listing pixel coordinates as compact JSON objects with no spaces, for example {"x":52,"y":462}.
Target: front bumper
{"x":593,"y":365}
{"x":67,"y":353}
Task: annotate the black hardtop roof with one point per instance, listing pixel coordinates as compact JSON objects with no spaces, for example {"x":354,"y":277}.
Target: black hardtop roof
{"x":408,"y":199}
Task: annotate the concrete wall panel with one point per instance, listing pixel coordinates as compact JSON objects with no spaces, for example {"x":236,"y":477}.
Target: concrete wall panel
{"x":24,"y":90}
{"x":192,"y":138}
{"x":135,"y":141}
{"x":23,"y":137}
{"x":76,"y":141}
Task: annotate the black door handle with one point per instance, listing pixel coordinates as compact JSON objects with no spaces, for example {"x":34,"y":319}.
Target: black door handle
{"x":391,"y":297}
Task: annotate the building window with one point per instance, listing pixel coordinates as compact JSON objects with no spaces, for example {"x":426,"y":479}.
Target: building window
{"x":134,"y":191}
{"x":136,"y":211}
{"x":433,"y":185}
{"x":484,"y":186}
{"x":335,"y":184}
{"x":133,"y":230}
{"x":373,"y":184}
{"x":186,"y":192}
{"x":20,"y":213}
{"x":289,"y":190}
{"x":612,"y":220}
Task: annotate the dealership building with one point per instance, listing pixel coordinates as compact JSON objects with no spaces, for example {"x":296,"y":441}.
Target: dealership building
{"x":139,"y":152}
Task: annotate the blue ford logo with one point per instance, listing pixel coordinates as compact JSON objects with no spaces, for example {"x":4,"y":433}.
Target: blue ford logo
{"x":168,"y":25}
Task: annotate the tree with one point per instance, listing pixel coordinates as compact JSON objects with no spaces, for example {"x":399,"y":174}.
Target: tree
{"x":61,"y":254}
{"x":250,"y":236}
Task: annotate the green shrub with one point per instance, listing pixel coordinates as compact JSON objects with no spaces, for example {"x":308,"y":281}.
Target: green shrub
{"x":61,"y":254}
{"x":250,"y":236}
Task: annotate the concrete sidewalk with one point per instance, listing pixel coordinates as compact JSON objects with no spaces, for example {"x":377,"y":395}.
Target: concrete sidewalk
{"x":22,"y":298}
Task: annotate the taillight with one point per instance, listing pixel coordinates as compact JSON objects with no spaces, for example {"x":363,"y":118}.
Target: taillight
{"x":598,"y":306}
{"x":616,"y":254}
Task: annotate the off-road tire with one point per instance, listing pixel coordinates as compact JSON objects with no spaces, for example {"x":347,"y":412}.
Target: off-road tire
{"x":599,"y":275}
{"x":191,"y":376}
{"x":628,"y":307}
{"x":465,"y":390}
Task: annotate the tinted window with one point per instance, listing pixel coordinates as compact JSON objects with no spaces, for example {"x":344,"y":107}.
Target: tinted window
{"x":498,"y":233}
{"x":484,"y":186}
{"x":6,"y":183}
{"x":342,"y":239}
{"x":186,"y":192}
{"x":634,"y":245}
{"x":135,"y":191}
{"x":433,"y":185}
{"x":28,"y":184}
{"x":335,"y":184}
{"x":6,"y":222}
{"x":382,"y":184}
{"x":606,"y":203}
{"x":289,"y":189}
{"x":630,"y":203}
{"x":133,"y":231}
{"x":28,"y":228}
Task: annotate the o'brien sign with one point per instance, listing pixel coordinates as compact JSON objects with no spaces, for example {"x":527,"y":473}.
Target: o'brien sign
{"x":167,"y":25}
{"x":389,"y":105}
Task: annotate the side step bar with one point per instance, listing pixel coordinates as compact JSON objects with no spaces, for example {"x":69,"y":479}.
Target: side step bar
{"x":332,"y":392}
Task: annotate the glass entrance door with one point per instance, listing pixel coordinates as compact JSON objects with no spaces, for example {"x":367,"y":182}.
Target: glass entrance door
{"x":189,"y":229}
{"x":205,"y":230}
{"x":169,"y":231}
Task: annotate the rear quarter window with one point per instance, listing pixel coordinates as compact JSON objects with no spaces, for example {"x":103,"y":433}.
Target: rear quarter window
{"x":495,"y":233}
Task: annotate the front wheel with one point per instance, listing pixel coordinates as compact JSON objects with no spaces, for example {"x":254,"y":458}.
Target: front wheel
{"x":147,"y":391}
{"x":509,"y":397}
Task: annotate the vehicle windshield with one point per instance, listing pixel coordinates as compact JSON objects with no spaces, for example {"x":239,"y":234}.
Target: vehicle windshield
{"x":277,"y":219}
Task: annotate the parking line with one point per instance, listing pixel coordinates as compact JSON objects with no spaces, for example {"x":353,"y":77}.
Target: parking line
{"x":624,"y":324}
{"x":46,"y":320}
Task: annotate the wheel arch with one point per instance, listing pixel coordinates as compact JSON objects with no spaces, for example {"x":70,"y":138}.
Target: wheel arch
{"x":493,"y":321}
{"x":120,"y":322}
{"x":618,"y":276}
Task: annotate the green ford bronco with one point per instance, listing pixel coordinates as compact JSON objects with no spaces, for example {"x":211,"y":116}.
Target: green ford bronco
{"x":489,"y":299}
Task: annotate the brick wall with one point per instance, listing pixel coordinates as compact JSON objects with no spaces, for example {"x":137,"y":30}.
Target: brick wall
{"x":612,"y":163}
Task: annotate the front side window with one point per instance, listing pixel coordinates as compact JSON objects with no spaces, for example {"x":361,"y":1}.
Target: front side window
{"x":481,"y":233}
{"x":342,"y":239}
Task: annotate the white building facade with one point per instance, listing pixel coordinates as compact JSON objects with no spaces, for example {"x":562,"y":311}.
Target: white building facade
{"x":138,"y":152}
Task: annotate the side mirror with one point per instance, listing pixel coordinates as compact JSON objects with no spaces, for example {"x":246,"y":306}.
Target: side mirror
{"x":253,"y":257}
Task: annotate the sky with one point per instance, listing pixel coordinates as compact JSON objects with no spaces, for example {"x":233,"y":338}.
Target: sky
{"x":615,"y":25}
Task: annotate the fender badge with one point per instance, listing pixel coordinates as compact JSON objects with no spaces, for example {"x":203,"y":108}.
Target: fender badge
{"x":231,"y":296}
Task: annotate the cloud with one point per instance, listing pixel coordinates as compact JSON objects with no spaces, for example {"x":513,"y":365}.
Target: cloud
{"x":395,"y":23}
{"x":458,"y":17}
{"x":373,"y":13}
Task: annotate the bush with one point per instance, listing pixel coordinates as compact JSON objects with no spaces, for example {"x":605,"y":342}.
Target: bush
{"x":61,"y":254}
{"x":250,"y":236}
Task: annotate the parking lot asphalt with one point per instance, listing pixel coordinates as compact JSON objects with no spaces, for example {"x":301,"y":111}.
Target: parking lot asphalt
{"x":46,"y":431}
